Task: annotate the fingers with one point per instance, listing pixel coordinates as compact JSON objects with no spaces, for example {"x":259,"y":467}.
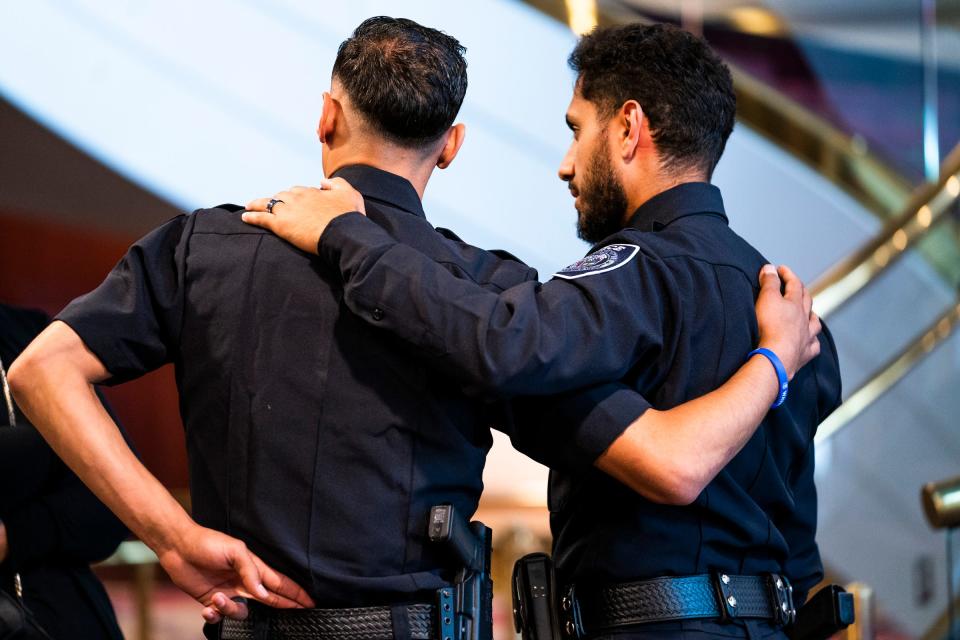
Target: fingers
{"x":289,"y":593}
{"x":223,"y":607}
{"x":793,"y":286}
{"x":259,"y":219}
{"x":242,"y":562}
{"x":236,"y":609}
{"x":814,"y":327}
{"x":260,"y":204}
{"x":211,"y":615}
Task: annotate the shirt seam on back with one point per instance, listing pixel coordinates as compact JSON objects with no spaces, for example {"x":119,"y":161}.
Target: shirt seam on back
{"x":191,"y":222}
{"x":308,"y":546}
{"x":231,"y":477}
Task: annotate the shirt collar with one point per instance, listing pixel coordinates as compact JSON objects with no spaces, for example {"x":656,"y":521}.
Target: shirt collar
{"x":686,"y":199}
{"x":381,"y":185}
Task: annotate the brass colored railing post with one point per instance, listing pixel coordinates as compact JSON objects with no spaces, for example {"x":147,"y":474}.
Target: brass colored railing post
{"x":863,"y":627}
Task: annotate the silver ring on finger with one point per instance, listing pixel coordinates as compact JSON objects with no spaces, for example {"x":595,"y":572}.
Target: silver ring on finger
{"x":273,"y":202}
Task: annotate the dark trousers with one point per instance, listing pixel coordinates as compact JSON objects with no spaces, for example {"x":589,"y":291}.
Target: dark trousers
{"x":697,"y":630}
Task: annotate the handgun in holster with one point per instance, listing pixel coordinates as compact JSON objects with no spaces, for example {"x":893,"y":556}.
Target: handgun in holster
{"x":464,"y":610}
{"x":830,"y":610}
{"x":534,"y":587}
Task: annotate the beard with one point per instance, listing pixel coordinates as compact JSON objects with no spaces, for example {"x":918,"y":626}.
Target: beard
{"x":603,"y":201}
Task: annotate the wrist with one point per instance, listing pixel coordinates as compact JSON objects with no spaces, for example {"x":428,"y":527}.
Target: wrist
{"x":164,"y":537}
{"x":778,"y":368}
{"x":785,"y":352}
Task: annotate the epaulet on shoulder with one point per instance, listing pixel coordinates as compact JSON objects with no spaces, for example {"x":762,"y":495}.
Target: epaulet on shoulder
{"x":449,"y":235}
{"x":228,"y":207}
{"x":232,"y":208}
{"x":506,"y":255}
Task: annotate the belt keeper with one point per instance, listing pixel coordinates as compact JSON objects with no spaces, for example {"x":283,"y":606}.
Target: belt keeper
{"x":726,"y":601}
{"x":400,"y":622}
{"x":781,"y":599}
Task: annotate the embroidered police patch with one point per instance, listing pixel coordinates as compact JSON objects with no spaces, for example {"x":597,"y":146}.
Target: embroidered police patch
{"x":606,"y":259}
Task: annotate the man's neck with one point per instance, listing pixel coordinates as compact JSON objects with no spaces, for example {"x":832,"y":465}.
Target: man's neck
{"x":407,"y":165}
{"x":642,"y":189}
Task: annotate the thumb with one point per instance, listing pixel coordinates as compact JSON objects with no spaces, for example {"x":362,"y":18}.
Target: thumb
{"x":769,"y":279}
{"x":259,"y":219}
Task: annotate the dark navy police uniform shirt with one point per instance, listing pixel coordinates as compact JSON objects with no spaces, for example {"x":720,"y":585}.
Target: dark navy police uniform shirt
{"x":666,"y":306}
{"x":315,"y":438}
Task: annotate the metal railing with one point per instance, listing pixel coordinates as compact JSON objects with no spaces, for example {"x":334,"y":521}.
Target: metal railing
{"x":920,"y":217}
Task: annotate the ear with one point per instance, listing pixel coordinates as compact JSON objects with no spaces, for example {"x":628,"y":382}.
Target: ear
{"x":451,"y":146}
{"x":328,"y":118}
{"x":634,"y":129}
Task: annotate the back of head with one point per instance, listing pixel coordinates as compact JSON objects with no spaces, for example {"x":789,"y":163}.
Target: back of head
{"x":407,"y":81}
{"x":683,"y":87}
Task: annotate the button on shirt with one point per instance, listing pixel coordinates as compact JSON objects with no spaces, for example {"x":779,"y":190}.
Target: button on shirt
{"x":319,"y":440}
{"x":666,"y":307}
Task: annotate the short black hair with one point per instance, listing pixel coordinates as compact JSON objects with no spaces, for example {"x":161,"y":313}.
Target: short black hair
{"x":406,"y":80}
{"x":683,"y":87}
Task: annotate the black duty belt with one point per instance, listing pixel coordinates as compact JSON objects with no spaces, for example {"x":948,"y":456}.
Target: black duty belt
{"x":360,"y":623}
{"x":720,"y":596}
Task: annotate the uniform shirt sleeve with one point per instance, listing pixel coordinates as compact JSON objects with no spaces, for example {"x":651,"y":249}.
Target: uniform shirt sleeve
{"x":531,"y":339}
{"x":131,"y":322}
{"x":565,"y":431}
{"x":569,"y":431}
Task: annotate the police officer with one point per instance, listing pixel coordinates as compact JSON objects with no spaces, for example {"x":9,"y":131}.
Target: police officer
{"x":317,"y":440}
{"x":51,"y":526}
{"x":662,"y":303}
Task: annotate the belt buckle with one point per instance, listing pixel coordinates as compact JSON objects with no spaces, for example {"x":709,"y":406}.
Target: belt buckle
{"x":570,"y":611}
{"x":781,"y":599}
{"x":726,"y":600}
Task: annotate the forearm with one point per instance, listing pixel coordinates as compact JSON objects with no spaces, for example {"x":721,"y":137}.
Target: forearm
{"x":53,"y":385}
{"x":670,"y":456}
{"x":532,"y":339}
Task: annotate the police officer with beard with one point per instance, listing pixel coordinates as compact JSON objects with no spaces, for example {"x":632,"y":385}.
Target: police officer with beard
{"x":663,"y":304}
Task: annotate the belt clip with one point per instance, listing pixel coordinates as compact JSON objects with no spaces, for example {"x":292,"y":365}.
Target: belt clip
{"x":781,"y":600}
{"x":570,"y":613}
{"x":727,"y":602}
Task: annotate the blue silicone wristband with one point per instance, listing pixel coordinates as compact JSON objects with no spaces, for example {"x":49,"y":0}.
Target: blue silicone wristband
{"x":782,"y":379}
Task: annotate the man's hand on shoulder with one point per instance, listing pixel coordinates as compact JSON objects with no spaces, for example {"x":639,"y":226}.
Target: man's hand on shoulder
{"x":212,"y":567}
{"x":301,"y":214}
{"x":788,"y":326}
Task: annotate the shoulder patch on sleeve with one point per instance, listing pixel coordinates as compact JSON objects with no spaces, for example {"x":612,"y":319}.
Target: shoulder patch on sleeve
{"x":608,"y":258}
